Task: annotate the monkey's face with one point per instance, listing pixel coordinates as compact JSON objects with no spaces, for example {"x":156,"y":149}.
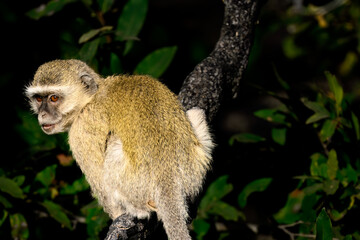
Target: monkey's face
{"x":49,"y":117}
{"x":60,"y":89}
{"x":57,"y":106}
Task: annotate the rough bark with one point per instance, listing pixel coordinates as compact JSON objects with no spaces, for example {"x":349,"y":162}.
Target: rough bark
{"x":224,"y":67}
{"x":205,"y":86}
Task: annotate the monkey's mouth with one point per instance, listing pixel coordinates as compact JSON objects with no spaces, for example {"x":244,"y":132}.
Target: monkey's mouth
{"x":47,"y":127}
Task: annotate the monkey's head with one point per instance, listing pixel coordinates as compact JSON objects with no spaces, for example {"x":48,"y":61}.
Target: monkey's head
{"x":60,"y":89}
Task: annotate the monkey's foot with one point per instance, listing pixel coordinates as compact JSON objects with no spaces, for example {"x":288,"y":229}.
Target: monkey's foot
{"x":124,"y":227}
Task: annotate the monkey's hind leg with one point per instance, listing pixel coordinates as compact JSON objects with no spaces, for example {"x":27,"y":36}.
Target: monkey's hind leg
{"x":172,"y":211}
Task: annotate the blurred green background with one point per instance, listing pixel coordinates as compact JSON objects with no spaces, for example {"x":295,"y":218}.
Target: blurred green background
{"x":287,"y":161}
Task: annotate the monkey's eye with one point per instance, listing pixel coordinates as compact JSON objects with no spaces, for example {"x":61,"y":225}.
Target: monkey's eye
{"x":38,"y":99}
{"x":54,"y":98}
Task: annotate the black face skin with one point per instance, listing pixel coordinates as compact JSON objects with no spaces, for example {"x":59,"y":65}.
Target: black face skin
{"x":48,"y":111}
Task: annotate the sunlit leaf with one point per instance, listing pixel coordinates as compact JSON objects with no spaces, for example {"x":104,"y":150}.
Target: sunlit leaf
{"x":279,"y":135}
{"x":48,"y":9}
{"x":96,"y":219}
{"x":201,"y":228}
{"x":290,"y":212}
{"x":245,"y":138}
{"x":57,"y":213}
{"x":349,"y":175}
{"x":333,"y":164}
{"x":19,"y":226}
{"x":318,"y":160}
{"x":225,"y":210}
{"x":46,"y":176}
{"x":217,"y":190}
{"x":258,"y":185}
{"x":92,"y":33}
{"x":156,"y":62}
{"x":323,"y":226}
{"x":328,"y":130}
{"x":320,"y":111}
{"x":336,"y":89}
{"x":331,"y":186}
{"x":348,"y":64}
{"x":271,"y":115}
{"x":19,"y":180}
{"x":9,"y":186}
{"x":4,"y":216}
{"x":290,"y":49}
{"x":78,"y":185}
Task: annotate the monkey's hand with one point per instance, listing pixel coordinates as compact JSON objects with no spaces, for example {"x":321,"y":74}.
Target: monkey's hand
{"x":126,"y":227}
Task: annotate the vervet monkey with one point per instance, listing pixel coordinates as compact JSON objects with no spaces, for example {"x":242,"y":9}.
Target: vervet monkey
{"x":139,"y":150}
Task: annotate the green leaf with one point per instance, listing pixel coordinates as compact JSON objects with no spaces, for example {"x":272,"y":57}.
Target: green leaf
{"x":333,"y":164}
{"x":46,"y":176}
{"x":348,"y":237}
{"x":105,"y":5}
{"x":336,"y":89}
{"x":115,"y":64}
{"x":217,"y":190}
{"x":226,"y":211}
{"x":328,"y":130}
{"x":5,"y":202}
{"x":48,"y":9}
{"x":245,"y":138}
{"x":89,"y":50}
{"x":320,"y":111}
{"x":318,"y":160}
{"x":57,"y":213}
{"x":331,"y":186}
{"x":19,"y":226}
{"x":78,"y":185}
{"x":9,"y":186}
{"x":156,"y":62}
{"x":349,"y":175}
{"x":323,"y":226}
{"x":290,"y":49}
{"x":19,"y":180}
{"x":201,"y":228}
{"x":282,"y":82}
{"x":258,"y":185}
{"x":355,"y":122}
{"x":4,"y":216}
{"x":271,"y":115}
{"x":92,"y":33}
{"x":96,"y":219}
{"x":131,"y":20}
{"x":290,"y":212}
{"x":279,"y":135}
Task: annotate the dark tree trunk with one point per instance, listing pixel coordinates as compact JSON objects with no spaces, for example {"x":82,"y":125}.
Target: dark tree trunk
{"x":224,"y":68}
{"x":205,"y":86}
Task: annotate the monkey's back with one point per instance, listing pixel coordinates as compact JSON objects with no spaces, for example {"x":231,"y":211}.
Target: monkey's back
{"x":155,"y":133}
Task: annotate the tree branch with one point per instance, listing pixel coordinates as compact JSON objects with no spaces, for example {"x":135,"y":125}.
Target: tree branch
{"x":224,"y":67}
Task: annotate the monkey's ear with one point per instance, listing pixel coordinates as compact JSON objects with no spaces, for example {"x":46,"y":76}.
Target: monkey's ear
{"x":89,"y":83}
